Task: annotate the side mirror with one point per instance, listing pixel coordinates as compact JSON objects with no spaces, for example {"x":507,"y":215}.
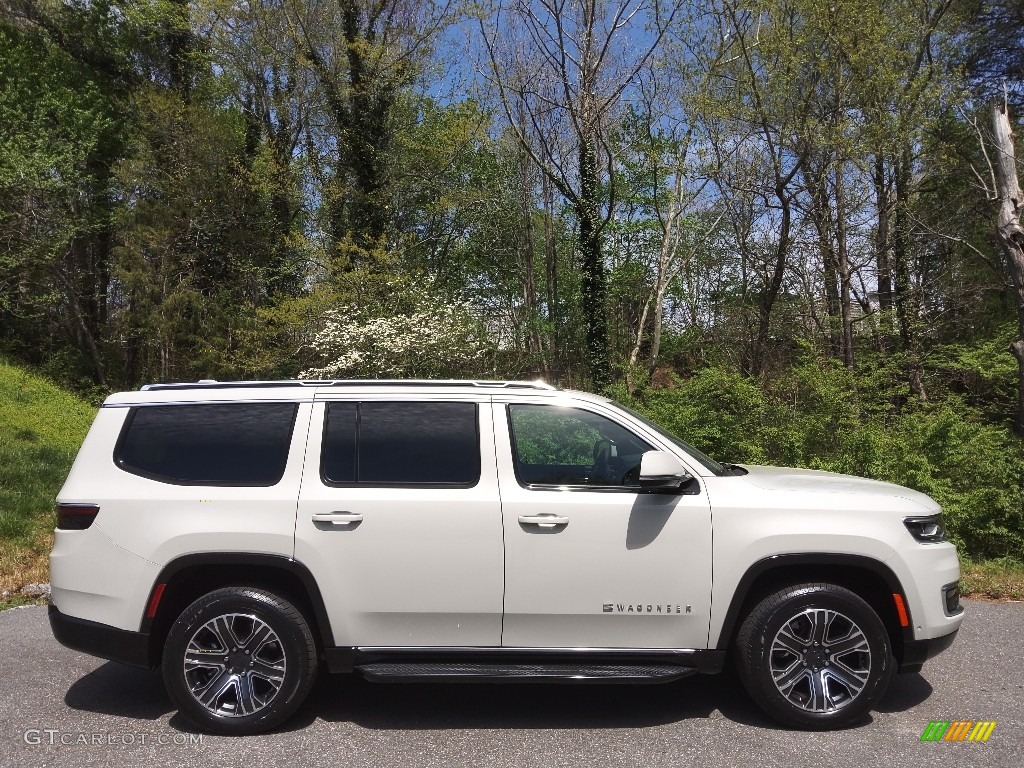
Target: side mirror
{"x":660,"y":469}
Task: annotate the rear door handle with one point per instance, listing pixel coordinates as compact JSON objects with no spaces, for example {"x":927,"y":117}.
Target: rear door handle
{"x":545,"y":521}
{"x":337,"y":518}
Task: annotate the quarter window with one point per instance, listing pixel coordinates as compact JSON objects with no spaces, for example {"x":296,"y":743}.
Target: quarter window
{"x":223,"y":444}
{"x":573,"y":447}
{"x":401,"y":443}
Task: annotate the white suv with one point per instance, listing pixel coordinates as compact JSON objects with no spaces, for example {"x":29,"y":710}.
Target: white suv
{"x":245,"y":534}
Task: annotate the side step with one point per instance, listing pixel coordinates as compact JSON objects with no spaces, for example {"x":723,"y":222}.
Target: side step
{"x":440,"y":672}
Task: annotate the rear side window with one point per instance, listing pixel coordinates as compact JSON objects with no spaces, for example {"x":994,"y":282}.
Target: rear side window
{"x":242,"y":444}
{"x":401,"y":443}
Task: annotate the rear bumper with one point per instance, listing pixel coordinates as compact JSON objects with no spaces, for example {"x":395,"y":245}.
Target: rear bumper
{"x":100,"y":640}
{"x":917,"y":652}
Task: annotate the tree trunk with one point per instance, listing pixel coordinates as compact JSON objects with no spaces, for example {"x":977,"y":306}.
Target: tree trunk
{"x":770,"y":291}
{"x":181,"y":49}
{"x":659,"y":324}
{"x":821,"y":216}
{"x":594,"y":282}
{"x":1011,"y":233}
{"x":551,"y":270}
{"x":904,"y":294}
{"x":533,"y":342}
{"x":832,"y":304}
{"x":843,"y":266}
{"x":361,"y":107}
{"x":83,"y":336}
{"x":638,"y":342}
{"x":883,"y":204}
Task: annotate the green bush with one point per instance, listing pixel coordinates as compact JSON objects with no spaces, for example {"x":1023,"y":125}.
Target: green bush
{"x":821,"y":416}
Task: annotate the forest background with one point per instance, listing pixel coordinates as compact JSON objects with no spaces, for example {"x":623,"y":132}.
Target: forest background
{"x":771,"y":225}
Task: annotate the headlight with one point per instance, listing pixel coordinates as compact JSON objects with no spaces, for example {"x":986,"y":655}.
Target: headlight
{"x":927,"y":530}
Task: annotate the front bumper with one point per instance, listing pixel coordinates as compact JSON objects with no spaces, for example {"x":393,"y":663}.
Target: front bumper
{"x":917,"y":652}
{"x":101,"y":640}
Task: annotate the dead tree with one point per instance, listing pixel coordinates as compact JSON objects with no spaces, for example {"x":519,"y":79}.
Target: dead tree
{"x":1011,"y":233}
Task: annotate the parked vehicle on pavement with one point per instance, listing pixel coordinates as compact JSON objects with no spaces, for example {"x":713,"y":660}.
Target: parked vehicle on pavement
{"x":245,"y":535}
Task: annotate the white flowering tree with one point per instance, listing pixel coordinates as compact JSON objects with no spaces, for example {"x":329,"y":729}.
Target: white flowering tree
{"x":414,"y":334}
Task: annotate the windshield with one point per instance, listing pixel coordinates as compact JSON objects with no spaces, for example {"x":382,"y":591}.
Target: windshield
{"x":704,"y":459}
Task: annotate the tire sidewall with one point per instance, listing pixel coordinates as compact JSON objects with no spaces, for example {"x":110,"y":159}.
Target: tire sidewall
{"x":757,"y":671}
{"x":294,"y":641}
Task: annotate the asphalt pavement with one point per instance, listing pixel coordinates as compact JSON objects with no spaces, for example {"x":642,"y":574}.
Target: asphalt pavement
{"x":59,"y":707}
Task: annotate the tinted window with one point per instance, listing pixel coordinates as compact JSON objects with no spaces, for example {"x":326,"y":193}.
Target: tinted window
{"x":401,"y":443}
{"x":223,"y":444}
{"x":703,"y":458}
{"x":570,"y":446}
{"x":339,"y":452}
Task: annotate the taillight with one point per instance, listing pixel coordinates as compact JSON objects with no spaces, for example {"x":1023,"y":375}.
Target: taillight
{"x":76,"y":517}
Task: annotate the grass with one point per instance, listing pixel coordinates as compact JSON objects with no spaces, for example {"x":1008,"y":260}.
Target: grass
{"x":41,"y":428}
{"x":1001,"y":579}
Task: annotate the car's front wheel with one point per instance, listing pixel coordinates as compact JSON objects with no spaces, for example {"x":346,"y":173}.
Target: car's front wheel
{"x":239,"y":660}
{"x":814,"y":656}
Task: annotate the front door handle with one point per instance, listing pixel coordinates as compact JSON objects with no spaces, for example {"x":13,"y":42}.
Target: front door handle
{"x":337,"y":518}
{"x":545,"y":521}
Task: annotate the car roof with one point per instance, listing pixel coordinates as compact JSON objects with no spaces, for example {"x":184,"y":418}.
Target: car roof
{"x":305,"y":389}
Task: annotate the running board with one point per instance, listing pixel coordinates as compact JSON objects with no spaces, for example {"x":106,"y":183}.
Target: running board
{"x":441,"y":672}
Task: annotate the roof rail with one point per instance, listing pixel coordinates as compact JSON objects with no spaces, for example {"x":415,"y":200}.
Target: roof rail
{"x":483,"y":384}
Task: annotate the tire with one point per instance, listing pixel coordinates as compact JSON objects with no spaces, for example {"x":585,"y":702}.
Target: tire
{"x":239,"y":661}
{"x":814,"y":656}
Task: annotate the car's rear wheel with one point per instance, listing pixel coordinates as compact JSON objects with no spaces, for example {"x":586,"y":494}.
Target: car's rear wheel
{"x":814,"y":656}
{"x":239,"y":660}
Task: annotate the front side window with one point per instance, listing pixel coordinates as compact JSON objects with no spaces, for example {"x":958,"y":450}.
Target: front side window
{"x":401,"y":443}
{"x":235,"y":444}
{"x":558,"y":446}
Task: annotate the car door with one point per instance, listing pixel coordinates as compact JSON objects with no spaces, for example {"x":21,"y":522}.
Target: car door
{"x":590,"y":560}
{"x":399,"y":519}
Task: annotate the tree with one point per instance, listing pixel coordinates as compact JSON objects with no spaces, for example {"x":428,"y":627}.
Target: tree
{"x":62,"y":133}
{"x":560,"y":69}
{"x":268,"y":82}
{"x":767,"y":120}
{"x":395,"y":327}
{"x":1009,"y":229}
{"x":994,"y":47}
{"x":900,"y":100}
{"x":830,"y":124}
{"x":363,"y":56}
{"x":664,"y":184}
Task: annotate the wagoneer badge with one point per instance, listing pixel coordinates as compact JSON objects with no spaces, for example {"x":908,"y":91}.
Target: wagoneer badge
{"x":667,"y":608}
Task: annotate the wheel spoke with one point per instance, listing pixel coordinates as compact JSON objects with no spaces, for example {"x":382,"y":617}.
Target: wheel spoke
{"x":853,"y":679}
{"x":261,"y":635}
{"x":855,"y":641}
{"x":272,"y":673}
{"x":221,"y":628}
{"x":197,"y":658}
{"x":209,"y":693}
{"x":819,"y":624}
{"x":787,"y":641}
{"x":247,"y":702}
{"x":787,"y":678}
{"x":820,"y":700}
